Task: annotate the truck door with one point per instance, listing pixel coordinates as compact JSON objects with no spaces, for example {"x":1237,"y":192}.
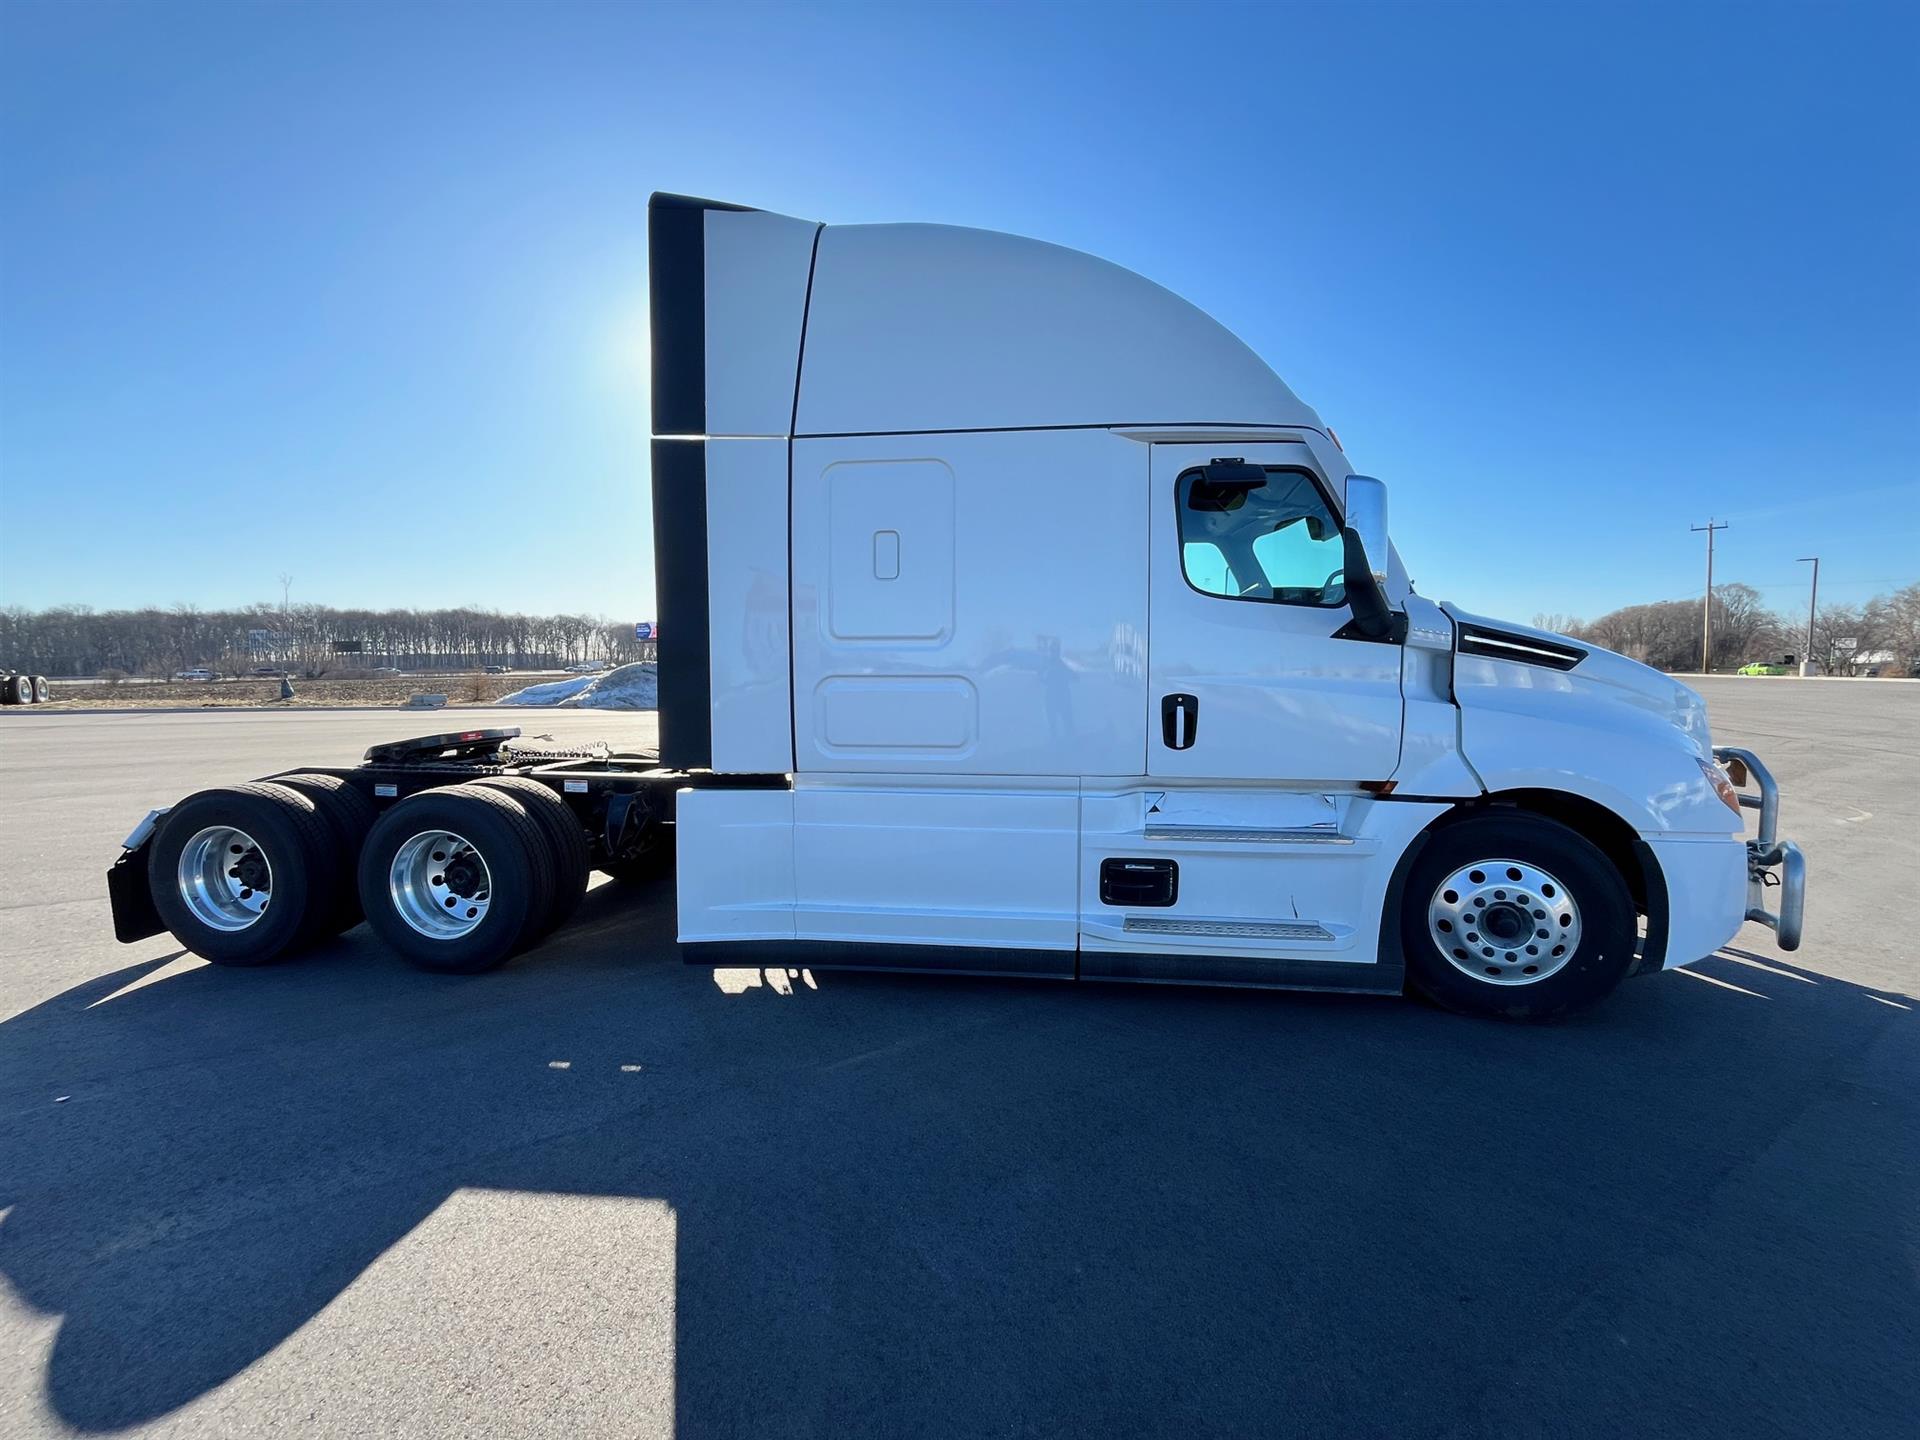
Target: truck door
{"x":1250,"y":677}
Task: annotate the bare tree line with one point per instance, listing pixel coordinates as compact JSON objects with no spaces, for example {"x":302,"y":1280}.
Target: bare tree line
{"x":1883,"y":634}
{"x":305,"y":639}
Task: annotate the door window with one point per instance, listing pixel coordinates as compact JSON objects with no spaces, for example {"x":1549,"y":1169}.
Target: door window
{"x":1271,"y":538}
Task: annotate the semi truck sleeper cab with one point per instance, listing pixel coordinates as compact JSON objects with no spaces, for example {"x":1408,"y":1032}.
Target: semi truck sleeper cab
{"x":1020,"y":620}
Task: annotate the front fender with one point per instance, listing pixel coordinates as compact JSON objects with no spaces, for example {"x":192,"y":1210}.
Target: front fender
{"x":1527,"y":727}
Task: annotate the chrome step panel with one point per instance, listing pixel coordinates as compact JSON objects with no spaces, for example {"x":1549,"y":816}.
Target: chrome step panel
{"x":1228,"y":929}
{"x":1317,"y":835}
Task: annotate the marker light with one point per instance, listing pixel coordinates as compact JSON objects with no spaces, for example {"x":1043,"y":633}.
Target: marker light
{"x":1722,"y":786}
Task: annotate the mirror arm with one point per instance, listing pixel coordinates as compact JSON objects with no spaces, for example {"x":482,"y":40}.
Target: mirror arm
{"x":1373,"y":618}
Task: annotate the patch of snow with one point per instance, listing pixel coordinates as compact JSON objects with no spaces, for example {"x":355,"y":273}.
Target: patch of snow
{"x":551,"y":692}
{"x":627,"y":687}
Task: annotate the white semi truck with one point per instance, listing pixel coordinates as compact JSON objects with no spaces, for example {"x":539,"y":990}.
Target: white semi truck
{"x":1019,"y":620}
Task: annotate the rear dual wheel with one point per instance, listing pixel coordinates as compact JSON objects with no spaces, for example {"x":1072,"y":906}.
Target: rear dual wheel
{"x":349,"y":818}
{"x":455,"y":879}
{"x":245,"y":874}
{"x":458,"y":879}
{"x":566,"y":842}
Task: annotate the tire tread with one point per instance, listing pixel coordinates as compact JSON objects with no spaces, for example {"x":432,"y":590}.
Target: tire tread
{"x":566,"y":840}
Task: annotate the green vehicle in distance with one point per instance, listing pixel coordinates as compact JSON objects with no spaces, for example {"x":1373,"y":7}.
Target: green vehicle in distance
{"x":1784,"y":666}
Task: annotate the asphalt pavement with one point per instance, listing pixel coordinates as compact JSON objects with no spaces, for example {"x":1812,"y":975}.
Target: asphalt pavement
{"x":601,"y":1192}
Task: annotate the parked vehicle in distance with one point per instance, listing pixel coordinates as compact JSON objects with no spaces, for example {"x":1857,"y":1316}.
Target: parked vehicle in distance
{"x":499,"y":670}
{"x":382,"y":671}
{"x":269,"y":672}
{"x":1024,"y":622}
{"x":585,"y":667}
{"x":1764,"y":667}
{"x":197,"y":672}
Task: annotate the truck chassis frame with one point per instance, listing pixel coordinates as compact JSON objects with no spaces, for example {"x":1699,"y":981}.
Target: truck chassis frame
{"x":624,"y":800}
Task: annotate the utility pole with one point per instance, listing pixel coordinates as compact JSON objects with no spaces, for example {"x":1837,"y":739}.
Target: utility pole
{"x":1706,"y":610}
{"x":286,"y":616}
{"x":1813,"y":601}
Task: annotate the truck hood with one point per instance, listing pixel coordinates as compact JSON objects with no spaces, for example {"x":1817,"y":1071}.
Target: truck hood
{"x":1600,"y":676}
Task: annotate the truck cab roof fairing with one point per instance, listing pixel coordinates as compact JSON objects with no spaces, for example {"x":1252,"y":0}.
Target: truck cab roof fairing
{"x":935,"y":327}
{"x":727,"y":297}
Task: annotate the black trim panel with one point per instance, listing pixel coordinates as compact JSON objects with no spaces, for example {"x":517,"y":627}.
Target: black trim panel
{"x":733,"y":780}
{"x":1166,"y":969}
{"x":1396,"y":631}
{"x":1275,"y":974}
{"x":677,"y":310}
{"x":860,"y":955}
{"x":680,"y":576}
{"x":793,"y":423}
{"x":1493,"y":644}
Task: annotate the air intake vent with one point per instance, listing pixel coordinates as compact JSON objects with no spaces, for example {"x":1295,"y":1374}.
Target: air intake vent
{"x":1494,"y":644}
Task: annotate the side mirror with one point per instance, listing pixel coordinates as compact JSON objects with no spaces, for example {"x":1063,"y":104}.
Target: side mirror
{"x":1367,"y":518}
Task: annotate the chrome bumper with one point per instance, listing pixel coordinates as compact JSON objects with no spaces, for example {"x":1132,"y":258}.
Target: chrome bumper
{"x":1768,"y":850}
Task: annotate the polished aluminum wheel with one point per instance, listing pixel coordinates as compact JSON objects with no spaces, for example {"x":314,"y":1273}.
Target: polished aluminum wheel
{"x":225,"y":880}
{"x":440,"y":885}
{"x":1504,"y":922}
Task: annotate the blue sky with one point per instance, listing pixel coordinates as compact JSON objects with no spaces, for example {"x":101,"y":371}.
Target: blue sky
{"x":358,"y":291}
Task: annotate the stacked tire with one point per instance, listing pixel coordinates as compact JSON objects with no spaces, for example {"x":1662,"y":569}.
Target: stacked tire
{"x":456,"y":879}
{"x":25,"y":690}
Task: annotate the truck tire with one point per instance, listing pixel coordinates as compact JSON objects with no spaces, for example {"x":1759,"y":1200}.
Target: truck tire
{"x":566,"y":840}
{"x":1517,"y":917}
{"x":243,"y":875}
{"x":10,"y":690}
{"x":349,"y":816}
{"x":456,"y":879}
{"x":42,"y":692}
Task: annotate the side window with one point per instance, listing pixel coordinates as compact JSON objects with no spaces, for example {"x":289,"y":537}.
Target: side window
{"x":1207,"y":568}
{"x":1270,"y":538}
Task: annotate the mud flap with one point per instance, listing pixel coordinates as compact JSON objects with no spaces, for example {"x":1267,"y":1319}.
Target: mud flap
{"x":134,"y":916}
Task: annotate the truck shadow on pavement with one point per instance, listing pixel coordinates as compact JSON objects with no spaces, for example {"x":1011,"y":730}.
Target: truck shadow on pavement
{"x":906,"y":1205}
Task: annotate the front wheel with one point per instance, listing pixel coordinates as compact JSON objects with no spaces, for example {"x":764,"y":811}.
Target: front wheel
{"x":1516,"y":916}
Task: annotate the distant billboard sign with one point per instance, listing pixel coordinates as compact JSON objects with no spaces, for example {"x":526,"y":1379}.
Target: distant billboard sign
{"x":349,"y":647}
{"x":646,"y":630}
